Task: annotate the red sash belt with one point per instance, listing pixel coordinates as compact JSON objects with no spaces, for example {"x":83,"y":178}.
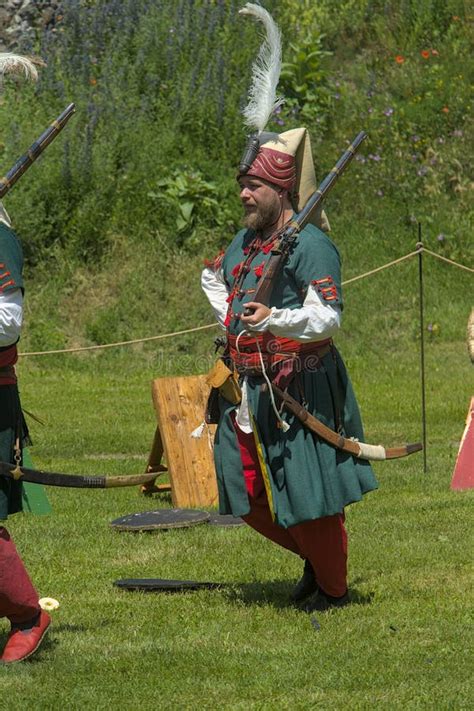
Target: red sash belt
{"x":275,"y":351}
{"x":8,"y":358}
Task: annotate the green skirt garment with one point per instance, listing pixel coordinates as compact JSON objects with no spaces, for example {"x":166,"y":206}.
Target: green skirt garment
{"x":308,"y":478}
{"x":15,"y":496}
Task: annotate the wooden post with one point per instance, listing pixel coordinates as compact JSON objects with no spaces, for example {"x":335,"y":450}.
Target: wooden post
{"x":419,"y":247}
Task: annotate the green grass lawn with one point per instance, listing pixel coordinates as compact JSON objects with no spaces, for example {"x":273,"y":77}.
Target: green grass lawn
{"x":405,"y":642}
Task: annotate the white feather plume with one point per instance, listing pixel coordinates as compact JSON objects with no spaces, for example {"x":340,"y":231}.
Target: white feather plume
{"x":16,"y":64}
{"x":265,"y":72}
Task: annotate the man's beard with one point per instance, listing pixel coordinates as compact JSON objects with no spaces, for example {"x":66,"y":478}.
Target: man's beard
{"x":260,"y":217}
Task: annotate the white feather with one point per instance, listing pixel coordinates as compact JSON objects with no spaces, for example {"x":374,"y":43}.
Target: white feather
{"x":265,"y":72}
{"x":16,"y":64}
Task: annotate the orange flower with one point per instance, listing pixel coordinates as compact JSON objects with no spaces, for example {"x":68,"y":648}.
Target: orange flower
{"x":425,"y":54}
{"x":399,"y":59}
{"x":92,"y":82}
{"x":445,"y":110}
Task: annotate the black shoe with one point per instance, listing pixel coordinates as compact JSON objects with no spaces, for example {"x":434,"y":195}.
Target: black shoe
{"x":306,"y":586}
{"x":321,"y":601}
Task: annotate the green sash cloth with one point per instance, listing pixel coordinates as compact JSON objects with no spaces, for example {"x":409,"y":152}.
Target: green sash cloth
{"x":34,"y":497}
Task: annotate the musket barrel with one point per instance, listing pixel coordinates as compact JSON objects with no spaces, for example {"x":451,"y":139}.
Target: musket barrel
{"x":36,"y":148}
{"x":280,"y":251}
{"x":330,"y":178}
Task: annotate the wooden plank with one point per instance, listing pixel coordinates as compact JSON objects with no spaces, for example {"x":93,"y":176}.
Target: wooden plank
{"x":154,"y":465}
{"x":179,"y":405}
{"x":156,"y":455}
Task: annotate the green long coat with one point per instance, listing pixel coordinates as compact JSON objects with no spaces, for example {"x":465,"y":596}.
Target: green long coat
{"x":11,"y":259}
{"x":307,"y":478}
{"x":14,"y":496}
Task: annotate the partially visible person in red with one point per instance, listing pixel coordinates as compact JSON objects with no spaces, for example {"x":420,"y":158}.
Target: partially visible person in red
{"x":18,"y":598}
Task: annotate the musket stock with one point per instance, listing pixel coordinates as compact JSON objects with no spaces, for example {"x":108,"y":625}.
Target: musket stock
{"x":36,"y":148}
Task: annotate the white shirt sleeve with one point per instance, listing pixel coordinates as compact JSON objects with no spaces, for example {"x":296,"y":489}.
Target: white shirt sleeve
{"x":4,"y":216}
{"x":314,"y":321}
{"x":215,"y":288}
{"x":11,"y":315}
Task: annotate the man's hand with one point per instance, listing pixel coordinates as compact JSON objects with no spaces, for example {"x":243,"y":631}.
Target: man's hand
{"x":260,"y":313}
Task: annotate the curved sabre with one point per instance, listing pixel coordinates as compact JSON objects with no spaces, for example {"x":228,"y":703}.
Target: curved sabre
{"x":76,"y":481}
{"x":372,"y":452}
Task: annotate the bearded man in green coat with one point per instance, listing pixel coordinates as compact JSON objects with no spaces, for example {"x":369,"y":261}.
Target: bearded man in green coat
{"x":285,"y":482}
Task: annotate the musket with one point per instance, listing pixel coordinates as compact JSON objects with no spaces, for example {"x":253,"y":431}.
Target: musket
{"x":282,"y":248}
{"x":76,"y":481}
{"x":35,"y":150}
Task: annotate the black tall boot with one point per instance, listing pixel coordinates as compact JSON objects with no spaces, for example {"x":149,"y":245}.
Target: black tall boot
{"x":307,"y":584}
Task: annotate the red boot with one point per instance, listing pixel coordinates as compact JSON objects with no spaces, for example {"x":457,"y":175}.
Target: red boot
{"x":22,"y":643}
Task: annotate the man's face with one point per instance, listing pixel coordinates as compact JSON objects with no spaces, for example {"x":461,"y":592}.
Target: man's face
{"x":261,"y":202}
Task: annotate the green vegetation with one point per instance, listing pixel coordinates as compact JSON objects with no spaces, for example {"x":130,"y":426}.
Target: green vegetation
{"x":116,"y":220}
{"x":140,"y":187}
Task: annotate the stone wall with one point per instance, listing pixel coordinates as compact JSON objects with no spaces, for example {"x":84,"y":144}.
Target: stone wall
{"x":20,"y":19}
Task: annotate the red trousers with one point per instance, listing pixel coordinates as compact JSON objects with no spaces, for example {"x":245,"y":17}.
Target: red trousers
{"x":322,"y":541}
{"x":18,"y":598}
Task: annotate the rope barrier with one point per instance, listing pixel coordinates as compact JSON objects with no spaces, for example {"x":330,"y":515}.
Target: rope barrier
{"x":445,"y":259}
{"x":214,"y":325}
{"x":379,"y":269}
{"x":120,"y":343}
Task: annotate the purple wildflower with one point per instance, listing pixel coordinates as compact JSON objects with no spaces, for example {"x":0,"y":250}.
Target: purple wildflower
{"x":337,"y":95}
{"x":440,"y":237}
{"x":415,"y":138}
{"x":429,"y":327}
{"x":388,"y":111}
{"x":421,"y":172}
{"x":375,"y":157}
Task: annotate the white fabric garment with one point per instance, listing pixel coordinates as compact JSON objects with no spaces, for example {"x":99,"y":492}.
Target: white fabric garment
{"x":4,"y":216}
{"x":214,"y":287}
{"x":11,"y":315}
{"x":314,"y":321}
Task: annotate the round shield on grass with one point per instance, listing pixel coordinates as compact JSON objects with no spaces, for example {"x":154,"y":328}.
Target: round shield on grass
{"x":162,"y":519}
{"x":225,"y":520}
{"x":163,"y":585}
